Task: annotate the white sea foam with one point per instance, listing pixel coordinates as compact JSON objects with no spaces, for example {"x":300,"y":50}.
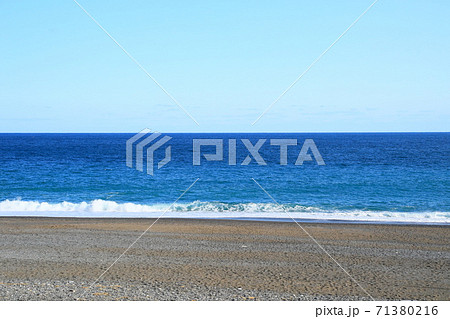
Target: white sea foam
{"x":105,"y":208}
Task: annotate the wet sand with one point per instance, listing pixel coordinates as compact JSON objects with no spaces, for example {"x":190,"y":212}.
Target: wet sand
{"x":187,"y":259}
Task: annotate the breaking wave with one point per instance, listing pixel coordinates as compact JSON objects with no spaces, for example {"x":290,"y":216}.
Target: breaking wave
{"x":198,"y":209}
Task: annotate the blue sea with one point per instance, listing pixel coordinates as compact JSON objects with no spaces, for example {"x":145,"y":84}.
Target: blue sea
{"x":367,"y":177}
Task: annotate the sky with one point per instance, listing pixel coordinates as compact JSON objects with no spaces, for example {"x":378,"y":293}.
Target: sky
{"x":225,"y":62}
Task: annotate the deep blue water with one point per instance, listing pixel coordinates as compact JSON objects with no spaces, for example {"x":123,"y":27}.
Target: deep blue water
{"x":374,"y":172}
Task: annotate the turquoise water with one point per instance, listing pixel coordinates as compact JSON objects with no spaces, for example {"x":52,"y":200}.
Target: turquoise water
{"x":379,"y":176}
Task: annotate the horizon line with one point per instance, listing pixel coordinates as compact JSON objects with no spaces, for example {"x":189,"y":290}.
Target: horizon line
{"x":238,"y":132}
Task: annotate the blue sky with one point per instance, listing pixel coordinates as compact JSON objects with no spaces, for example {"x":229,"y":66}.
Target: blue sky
{"x":225,"y":62}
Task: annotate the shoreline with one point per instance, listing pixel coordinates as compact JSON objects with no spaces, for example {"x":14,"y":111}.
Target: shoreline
{"x":207,"y":259}
{"x":307,"y":220}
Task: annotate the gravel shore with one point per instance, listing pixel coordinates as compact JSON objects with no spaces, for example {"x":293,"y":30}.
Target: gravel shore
{"x":187,"y":259}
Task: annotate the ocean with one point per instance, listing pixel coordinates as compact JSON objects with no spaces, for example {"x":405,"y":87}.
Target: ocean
{"x":367,"y":177}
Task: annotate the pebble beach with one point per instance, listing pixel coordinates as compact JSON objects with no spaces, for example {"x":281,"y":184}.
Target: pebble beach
{"x":191,"y":259}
